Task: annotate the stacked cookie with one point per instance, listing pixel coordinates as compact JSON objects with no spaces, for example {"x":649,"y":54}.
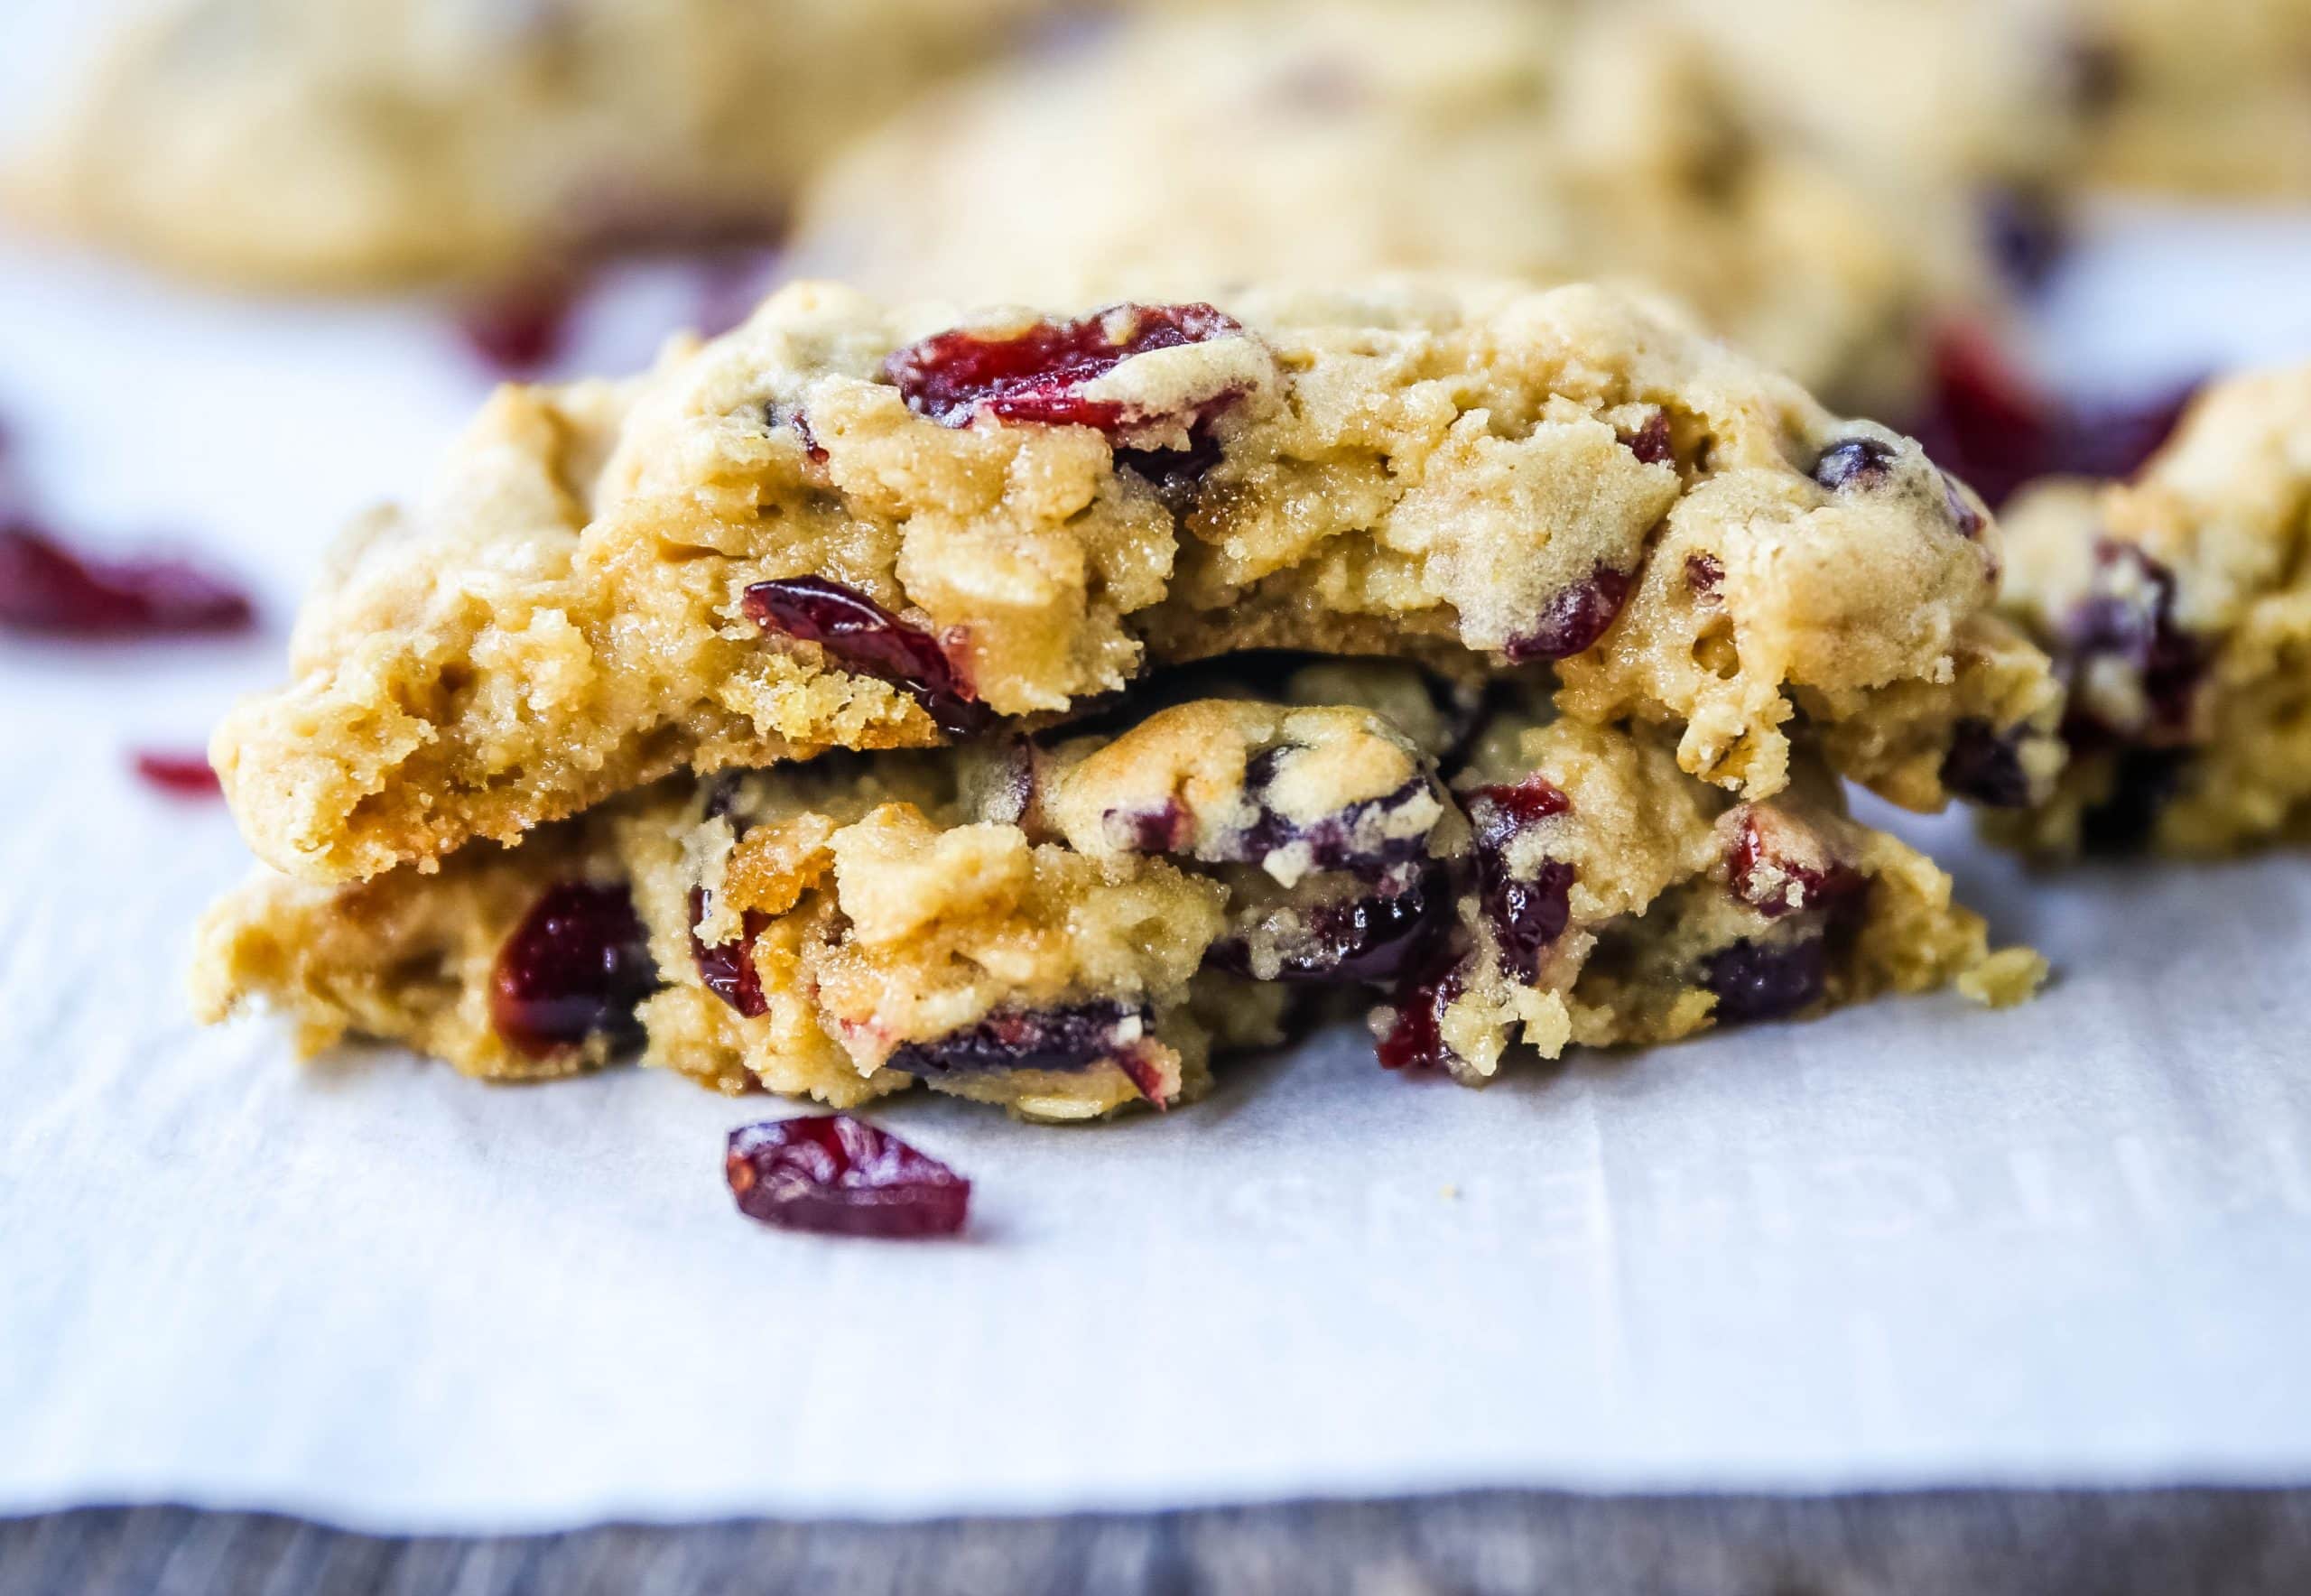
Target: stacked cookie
{"x":810,"y":712}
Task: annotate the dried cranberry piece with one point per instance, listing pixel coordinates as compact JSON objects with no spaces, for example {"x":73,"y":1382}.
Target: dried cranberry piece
{"x":1034,"y":376}
{"x":1370,"y":940}
{"x":1165,"y":829}
{"x":727,"y":968}
{"x":1055,"y":1039}
{"x":1704,"y":573}
{"x":180,"y":775}
{"x":2141,"y":784}
{"x":1413,"y":1038}
{"x":1526,"y":916}
{"x":1331,"y":840}
{"x":575,"y":967}
{"x":1855,"y":462}
{"x":839,"y":1176}
{"x":1502,"y":809}
{"x":861,"y":636}
{"x":48,"y":590}
{"x":1574,"y":619}
{"x":2130,"y":616}
{"x":2113,"y":440}
{"x":1765,"y":980}
{"x":1650,"y":442}
{"x":800,"y":422}
{"x":1772,"y":853}
{"x":1984,"y":764}
{"x":523,"y":327}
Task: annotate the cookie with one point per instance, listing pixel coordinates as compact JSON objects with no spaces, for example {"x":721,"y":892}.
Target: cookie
{"x":357,"y":143}
{"x":2178,"y":607}
{"x":850,"y":526}
{"x":1072,"y":925}
{"x":1188,"y":152}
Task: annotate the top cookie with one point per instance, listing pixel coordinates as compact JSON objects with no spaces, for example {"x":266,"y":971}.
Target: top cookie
{"x":333,"y":144}
{"x":1184,"y":153}
{"x":849,"y":524}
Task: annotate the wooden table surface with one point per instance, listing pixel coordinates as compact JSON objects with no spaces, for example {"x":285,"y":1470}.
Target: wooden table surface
{"x":2165,"y":1542}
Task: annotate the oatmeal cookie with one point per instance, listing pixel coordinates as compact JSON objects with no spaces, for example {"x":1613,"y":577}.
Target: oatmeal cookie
{"x":348,"y":144}
{"x":847,"y":525}
{"x":1074,"y":924}
{"x":2178,"y":607}
{"x":1189,"y":151}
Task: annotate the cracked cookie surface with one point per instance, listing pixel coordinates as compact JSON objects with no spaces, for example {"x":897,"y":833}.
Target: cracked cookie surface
{"x":849,"y":526}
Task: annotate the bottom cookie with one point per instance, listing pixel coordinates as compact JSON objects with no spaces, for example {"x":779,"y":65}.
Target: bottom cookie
{"x":1072,"y":926}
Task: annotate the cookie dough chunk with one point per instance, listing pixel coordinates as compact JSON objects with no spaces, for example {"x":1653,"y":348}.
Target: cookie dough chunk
{"x":1065,"y":930}
{"x":1191,"y":150}
{"x":1608,"y":899}
{"x":845,"y":525}
{"x":348,"y":144}
{"x":2178,"y":607}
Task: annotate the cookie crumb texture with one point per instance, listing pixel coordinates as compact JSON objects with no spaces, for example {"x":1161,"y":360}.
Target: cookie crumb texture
{"x":1076,"y":926}
{"x":849,"y":526}
{"x":2178,"y":609}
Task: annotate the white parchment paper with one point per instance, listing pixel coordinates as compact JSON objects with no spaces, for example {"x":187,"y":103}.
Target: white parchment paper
{"x":1915,"y":1243}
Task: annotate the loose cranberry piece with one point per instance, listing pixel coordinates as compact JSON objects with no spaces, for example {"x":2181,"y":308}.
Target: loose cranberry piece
{"x":522,"y":328}
{"x":1574,"y":619}
{"x":1703,"y":574}
{"x":1055,"y":1039}
{"x":1765,"y":980}
{"x":182,"y":776}
{"x":1413,"y":1036}
{"x":2130,"y":616}
{"x":48,"y":590}
{"x":1650,"y":442}
{"x":727,"y":968}
{"x":1985,"y":765}
{"x":576,"y":967}
{"x":1035,"y":376}
{"x":1855,"y":462}
{"x":861,"y":636}
{"x":839,"y":1176}
{"x":1771,"y":853}
{"x":1146,"y":1076}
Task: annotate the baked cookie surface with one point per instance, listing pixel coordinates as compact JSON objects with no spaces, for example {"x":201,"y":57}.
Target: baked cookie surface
{"x":850,"y":525}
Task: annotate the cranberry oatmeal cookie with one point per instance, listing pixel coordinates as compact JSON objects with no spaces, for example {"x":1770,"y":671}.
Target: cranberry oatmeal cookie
{"x":1562,"y":143}
{"x":1076,"y":923}
{"x":846,"y":526}
{"x":2178,"y":607}
{"x":337,"y":144}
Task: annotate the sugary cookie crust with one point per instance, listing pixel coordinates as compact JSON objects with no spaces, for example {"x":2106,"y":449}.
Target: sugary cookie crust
{"x":614,"y":582}
{"x":2178,"y":607}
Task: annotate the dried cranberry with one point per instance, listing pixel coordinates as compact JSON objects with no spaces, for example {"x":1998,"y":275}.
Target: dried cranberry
{"x":2113,"y":440}
{"x":727,"y":968}
{"x":1765,"y":980}
{"x":1772,"y":853}
{"x":1370,"y":940}
{"x":576,"y":967}
{"x":1526,"y":916}
{"x":182,"y":776}
{"x":1650,"y":442}
{"x":2130,"y":616}
{"x":1412,"y":1036}
{"x":1035,"y":376}
{"x":1055,"y":1039}
{"x":800,"y":422}
{"x":1165,"y":829}
{"x":47,"y":588}
{"x":1574,"y":619}
{"x":2142,"y":783}
{"x":840,"y":1176}
{"x":522,"y":328}
{"x":1703,"y":574}
{"x":1332,"y":840}
{"x":1855,"y":462}
{"x":1984,"y":766}
{"x":861,"y":636}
